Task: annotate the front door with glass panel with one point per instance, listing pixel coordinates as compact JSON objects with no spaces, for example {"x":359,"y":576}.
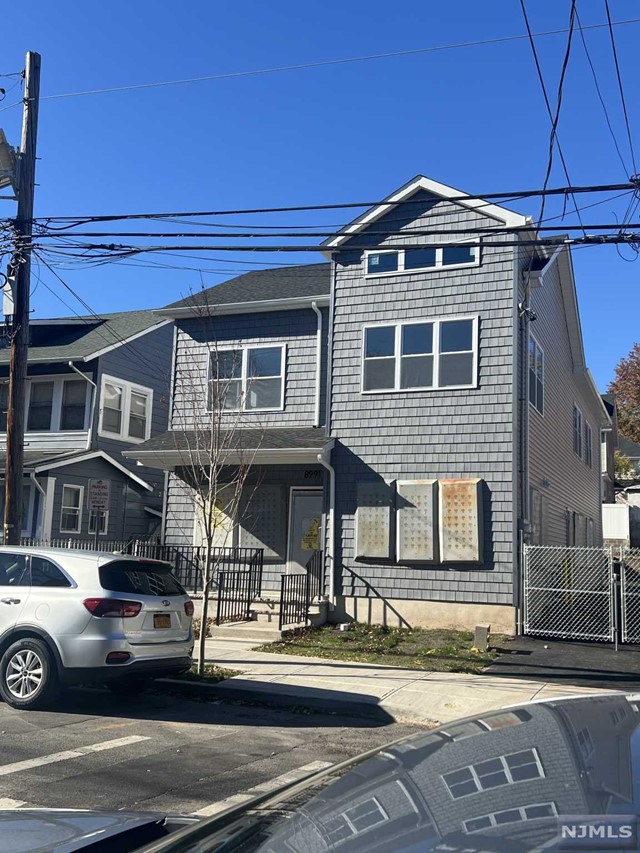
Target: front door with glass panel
{"x":305,"y":527}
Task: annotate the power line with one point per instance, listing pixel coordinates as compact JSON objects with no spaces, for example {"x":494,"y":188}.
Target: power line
{"x":553,"y":137}
{"x":600,"y":97}
{"x":620,"y":87}
{"x":319,"y":64}
{"x":516,"y":194}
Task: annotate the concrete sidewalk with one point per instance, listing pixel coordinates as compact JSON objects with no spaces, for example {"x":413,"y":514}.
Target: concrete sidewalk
{"x":387,"y":692}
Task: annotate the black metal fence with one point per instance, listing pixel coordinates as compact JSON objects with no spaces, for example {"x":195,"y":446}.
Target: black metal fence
{"x":315,"y":570}
{"x":294,"y":599}
{"x":238,"y":584}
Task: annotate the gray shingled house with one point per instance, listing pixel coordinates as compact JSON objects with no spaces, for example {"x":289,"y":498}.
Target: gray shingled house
{"x":96,"y":385}
{"x":420,"y":406}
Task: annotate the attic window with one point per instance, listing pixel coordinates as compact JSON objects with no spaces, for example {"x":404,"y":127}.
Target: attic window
{"x":429,"y":258}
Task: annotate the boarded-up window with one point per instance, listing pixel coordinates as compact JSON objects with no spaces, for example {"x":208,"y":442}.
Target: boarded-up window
{"x":416,"y":520}
{"x":374,"y":521}
{"x":461,"y":521}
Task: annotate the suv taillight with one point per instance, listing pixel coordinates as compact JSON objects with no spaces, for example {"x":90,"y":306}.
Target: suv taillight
{"x":188,"y":608}
{"x":112,"y":607}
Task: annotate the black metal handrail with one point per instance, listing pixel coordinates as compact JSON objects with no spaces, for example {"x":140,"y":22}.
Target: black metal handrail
{"x":315,"y":570}
{"x":294,"y":599}
{"x":239,"y":582}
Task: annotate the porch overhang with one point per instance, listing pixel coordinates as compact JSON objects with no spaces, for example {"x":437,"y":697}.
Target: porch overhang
{"x":196,"y":448}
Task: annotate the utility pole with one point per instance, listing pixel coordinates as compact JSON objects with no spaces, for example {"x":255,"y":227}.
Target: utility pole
{"x":21,"y":268}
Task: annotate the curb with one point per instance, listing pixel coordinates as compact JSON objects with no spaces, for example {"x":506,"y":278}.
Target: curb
{"x":290,"y":701}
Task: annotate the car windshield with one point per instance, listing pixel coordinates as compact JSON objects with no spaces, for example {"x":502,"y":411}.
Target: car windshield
{"x":143,"y":578}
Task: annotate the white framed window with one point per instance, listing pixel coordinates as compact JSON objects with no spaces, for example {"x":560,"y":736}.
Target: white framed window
{"x":494,"y":773}
{"x":249,"y":378}
{"x":353,"y":821}
{"x":577,"y":431}
{"x":420,"y":355}
{"x":53,"y":404}
{"x":536,"y":375}
{"x":425,"y":259}
{"x":102,"y":519}
{"x":588,"y":445}
{"x":71,"y":509}
{"x":125,"y":410}
{"x":515,"y":815}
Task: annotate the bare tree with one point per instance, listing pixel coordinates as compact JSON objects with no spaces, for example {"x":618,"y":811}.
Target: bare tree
{"x":211,"y":388}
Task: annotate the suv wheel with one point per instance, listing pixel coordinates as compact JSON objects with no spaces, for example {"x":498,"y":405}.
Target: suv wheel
{"x":28,"y":675}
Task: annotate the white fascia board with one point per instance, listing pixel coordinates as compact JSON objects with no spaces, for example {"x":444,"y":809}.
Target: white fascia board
{"x":507,"y":217}
{"x":95,"y":454}
{"x":261,"y":306}
{"x":124,"y":341}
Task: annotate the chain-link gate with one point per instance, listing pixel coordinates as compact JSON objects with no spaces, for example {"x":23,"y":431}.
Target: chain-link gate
{"x":569,"y":593}
{"x":630,"y":595}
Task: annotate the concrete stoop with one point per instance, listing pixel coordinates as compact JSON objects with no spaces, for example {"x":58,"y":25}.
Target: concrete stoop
{"x":263,"y":625}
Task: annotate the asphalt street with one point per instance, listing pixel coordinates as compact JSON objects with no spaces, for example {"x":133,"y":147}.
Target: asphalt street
{"x":165,"y":752}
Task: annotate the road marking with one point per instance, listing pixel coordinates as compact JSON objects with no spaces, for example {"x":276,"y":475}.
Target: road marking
{"x":8,"y":803}
{"x":263,"y":788}
{"x":30,"y":763}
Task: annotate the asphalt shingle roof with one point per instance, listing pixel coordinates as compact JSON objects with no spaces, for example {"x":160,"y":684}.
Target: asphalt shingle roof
{"x":629,"y":448}
{"x":78,"y":340}
{"x":276,"y":283}
{"x":276,"y":438}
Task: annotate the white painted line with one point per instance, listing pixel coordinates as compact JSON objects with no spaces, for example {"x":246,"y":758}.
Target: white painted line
{"x":30,"y":763}
{"x":8,"y":803}
{"x":263,"y":788}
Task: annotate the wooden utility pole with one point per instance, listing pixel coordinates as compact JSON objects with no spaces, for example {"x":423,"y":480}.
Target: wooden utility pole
{"x":20,"y":327}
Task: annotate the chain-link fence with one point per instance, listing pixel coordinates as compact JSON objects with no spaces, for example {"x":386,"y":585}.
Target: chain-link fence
{"x":569,"y":592}
{"x":630,"y":595}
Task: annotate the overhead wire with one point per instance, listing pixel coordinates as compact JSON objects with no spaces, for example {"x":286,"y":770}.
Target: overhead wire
{"x":620,"y":86}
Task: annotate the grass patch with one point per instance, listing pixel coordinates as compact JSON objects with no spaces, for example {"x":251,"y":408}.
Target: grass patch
{"x":416,"y":648}
{"x":212,"y":674}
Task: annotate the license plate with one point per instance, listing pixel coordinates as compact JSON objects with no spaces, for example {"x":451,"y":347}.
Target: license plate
{"x":161,"y":620}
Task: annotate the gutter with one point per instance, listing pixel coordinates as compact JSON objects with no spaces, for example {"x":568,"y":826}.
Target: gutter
{"x":262,"y":305}
{"x":316,"y":414}
{"x":32,"y":477}
{"x":324,"y":459}
{"x":93,"y":400}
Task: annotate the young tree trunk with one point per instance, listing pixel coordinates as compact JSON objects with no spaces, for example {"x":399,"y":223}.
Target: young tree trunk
{"x":205,"y":608}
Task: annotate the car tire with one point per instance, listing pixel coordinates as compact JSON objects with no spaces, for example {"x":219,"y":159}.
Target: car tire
{"x":129,"y":686}
{"x":28,"y":675}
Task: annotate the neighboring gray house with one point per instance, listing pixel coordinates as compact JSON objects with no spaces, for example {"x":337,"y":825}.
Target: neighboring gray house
{"x":610,"y":442}
{"x":96,"y":385}
{"x":422,"y":406}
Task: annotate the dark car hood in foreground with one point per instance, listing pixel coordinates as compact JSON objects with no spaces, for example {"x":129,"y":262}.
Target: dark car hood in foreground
{"x":539,"y":776}
{"x":62,"y":831}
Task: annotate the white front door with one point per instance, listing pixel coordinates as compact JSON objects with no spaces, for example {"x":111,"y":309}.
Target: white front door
{"x":305,"y":527}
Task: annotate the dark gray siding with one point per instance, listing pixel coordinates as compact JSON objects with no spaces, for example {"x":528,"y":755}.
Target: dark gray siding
{"x":297,"y":329}
{"x":572,"y":484}
{"x":127,"y":518}
{"x":145,"y":361}
{"x":433,"y":434}
{"x":179,"y":512}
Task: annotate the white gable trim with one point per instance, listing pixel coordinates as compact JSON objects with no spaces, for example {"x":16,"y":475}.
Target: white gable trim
{"x":95,"y":454}
{"x":507,"y":217}
{"x":124,"y":341}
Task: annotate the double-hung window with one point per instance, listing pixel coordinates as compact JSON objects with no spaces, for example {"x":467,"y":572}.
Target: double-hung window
{"x":425,"y":259}
{"x":56,"y":405}
{"x":73,"y":407}
{"x":247,"y":378}
{"x":71,"y":510}
{"x":40,"y":406}
{"x":577,"y":431}
{"x":536,"y":375}
{"x":125,"y":410}
{"x":420,"y":355}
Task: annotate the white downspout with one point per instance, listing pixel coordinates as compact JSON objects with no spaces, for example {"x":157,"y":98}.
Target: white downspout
{"x":316,"y":414}
{"x":324,"y":460}
{"x":93,"y":401}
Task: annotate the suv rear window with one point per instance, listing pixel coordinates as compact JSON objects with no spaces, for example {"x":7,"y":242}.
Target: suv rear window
{"x":140,"y":578}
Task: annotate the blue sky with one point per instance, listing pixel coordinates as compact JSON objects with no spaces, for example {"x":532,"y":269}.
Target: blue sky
{"x":471,"y":117}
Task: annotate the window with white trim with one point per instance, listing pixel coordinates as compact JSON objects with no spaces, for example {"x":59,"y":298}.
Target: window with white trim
{"x":125,"y":412}
{"x":40,"y":406}
{"x":71,"y":509}
{"x":588,"y":445}
{"x":536,"y":375}
{"x":577,"y":431}
{"x":420,"y":355}
{"x":247,"y":378}
{"x":55,"y":404}
{"x":424,"y":259}
{"x":102,"y":519}
{"x":515,"y":815}
{"x":494,"y":773}
{"x":355,"y":820}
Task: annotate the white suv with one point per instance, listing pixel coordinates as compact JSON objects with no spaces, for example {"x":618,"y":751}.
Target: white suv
{"x":81,"y":616}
